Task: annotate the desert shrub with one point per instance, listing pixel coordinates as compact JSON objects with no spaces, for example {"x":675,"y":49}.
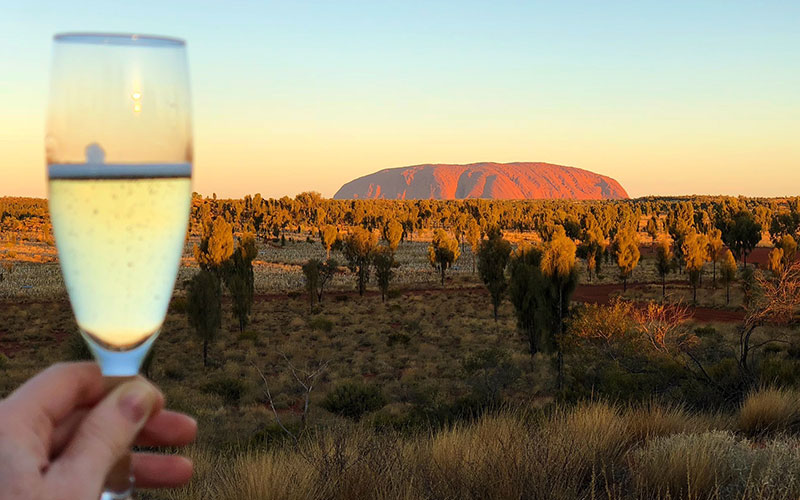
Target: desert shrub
{"x":413,"y":326}
{"x":597,"y":429}
{"x":774,"y":370}
{"x":353,"y":400}
{"x":174,"y":370}
{"x":251,"y":335}
{"x":229,"y":388}
{"x":657,"y":420}
{"x":775,"y":470}
{"x":464,"y":457}
{"x":769,"y":410}
{"x":321,"y":323}
{"x":706,"y":331}
{"x":397,"y":338}
{"x":178,"y":305}
{"x":706,"y":465}
{"x":272,"y":434}
{"x":489,"y":372}
{"x":793,"y":351}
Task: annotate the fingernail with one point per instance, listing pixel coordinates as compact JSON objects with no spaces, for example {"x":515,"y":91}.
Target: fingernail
{"x":136,"y":401}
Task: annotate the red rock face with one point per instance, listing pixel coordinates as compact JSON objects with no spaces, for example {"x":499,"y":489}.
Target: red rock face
{"x":505,"y":181}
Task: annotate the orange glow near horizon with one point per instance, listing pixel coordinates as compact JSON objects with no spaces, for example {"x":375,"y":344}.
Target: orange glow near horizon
{"x":668,"y":99}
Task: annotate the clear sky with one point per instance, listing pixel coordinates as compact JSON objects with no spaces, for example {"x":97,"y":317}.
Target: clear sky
{"x":678,"y":97}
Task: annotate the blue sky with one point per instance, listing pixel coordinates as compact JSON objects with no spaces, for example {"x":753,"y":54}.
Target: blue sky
{"x":667,"y":97}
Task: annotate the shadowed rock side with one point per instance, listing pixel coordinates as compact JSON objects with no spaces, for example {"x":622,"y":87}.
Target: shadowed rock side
{"x":507,"y":181}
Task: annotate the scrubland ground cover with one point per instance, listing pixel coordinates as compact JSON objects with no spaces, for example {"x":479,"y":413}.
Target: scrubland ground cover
{"x":427,"y":396}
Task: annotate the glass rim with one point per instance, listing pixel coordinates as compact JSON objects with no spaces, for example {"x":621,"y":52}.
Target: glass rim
{"x":129,"y":39}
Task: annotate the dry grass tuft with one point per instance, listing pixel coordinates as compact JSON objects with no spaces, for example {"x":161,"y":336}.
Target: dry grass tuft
{"x":657,"y":420}
{"x":688,"y":465}
{"x":769,"y":410}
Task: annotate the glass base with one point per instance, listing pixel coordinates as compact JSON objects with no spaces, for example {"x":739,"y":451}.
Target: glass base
{"x":119,"y":363}
{"x":110,"y":495}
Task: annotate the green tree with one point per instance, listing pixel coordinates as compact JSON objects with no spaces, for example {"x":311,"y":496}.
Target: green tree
{"x":239,"y":278}
{"x":558,"y":265}
{"x":715,"y":247}
{"x":531,"y":295}
{"x":327,"y":270}
{"x":626,"y":251}
{"x":789,"y":246}
{"x":393,"y":234}
{"x":384,"y":269}
{"x":442,"y":252}
{"x":203,"y":308}
{"x":652,"y":227}
{"x":742,"y":233}
{"x":216,"y":246}
{"x":695,"y":253}
{"x":665,"y":260}
{"x":311,"y":277}
{"x":493,"y":256}
{"x":213,"y":254}
{"x":592,"y":247}
{"x":776,"y":261}
{"x":317,"y":275}
{"x":359,"y":249}
{"x":473,"y":237}
{"x":328,"y":235}
{"x":727,"y":272}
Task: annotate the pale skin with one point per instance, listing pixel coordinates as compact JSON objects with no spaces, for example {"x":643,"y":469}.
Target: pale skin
{"x":61,"y":432}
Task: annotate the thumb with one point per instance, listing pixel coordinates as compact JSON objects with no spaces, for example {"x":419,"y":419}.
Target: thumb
{"x":104,"y":437}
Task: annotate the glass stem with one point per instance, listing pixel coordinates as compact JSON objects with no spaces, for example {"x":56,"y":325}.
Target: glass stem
{"x":119,"y":482}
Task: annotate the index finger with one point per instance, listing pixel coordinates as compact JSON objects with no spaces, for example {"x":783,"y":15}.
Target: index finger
{"x":51,"y":395}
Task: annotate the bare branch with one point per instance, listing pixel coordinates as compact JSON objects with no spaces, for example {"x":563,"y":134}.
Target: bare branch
{"x":272,"y":405}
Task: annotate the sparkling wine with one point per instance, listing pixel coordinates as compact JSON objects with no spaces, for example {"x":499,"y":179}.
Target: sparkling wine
{"x":120,"y":231}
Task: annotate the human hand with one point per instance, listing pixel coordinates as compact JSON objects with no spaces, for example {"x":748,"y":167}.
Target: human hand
{"x":62,"y":431}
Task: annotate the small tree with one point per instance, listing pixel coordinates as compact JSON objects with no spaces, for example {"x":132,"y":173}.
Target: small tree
{"x":626,"y":250}
{"x":216,"y":246}
{"x":328,"y":235}
{"x":776,"y":261}
{"x":213,"y":255}
{"x":359,"y":248}
{"x":715,"y":247}
{"x":727,"y":273}
{"x":203,"y":308}
{"x":442,"y":252}
{"x":311,"y":275}
{"x":742,"y":233}
{"x":384,"y":265}
{"x":775,"y":304}
{"x":695,"y":254}
{"x":239,"y":278}
{"x":327,"y":270}
{"x":558,"y":265}
{"x":393,"y":234}
{"x":530,"y":294}
{"x":652,"y":227}
{"x":493,"y":255}
{"x":789,"y":247}
{"x":665,"y":260}
{"x":592,"y":248}
{"x":473,"y":237}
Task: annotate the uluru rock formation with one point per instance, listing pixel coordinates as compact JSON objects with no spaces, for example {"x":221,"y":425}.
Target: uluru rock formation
{"x":506,"y":181}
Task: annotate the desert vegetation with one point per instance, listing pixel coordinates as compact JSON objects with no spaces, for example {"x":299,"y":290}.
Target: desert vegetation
{"x":463,"y":349}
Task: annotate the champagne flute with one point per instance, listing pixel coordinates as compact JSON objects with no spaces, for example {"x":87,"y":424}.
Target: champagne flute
{"x":119,"y":160}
